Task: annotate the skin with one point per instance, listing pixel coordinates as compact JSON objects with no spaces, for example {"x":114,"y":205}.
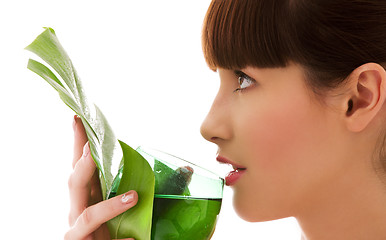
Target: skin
{"x":88,"y":213}
{"x":306,"y":158}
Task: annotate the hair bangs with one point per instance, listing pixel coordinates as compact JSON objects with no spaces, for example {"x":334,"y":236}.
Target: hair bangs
{"x":242,"y":33}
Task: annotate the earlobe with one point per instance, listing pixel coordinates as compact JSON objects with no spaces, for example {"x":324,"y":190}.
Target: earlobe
{"x":367,"y":95}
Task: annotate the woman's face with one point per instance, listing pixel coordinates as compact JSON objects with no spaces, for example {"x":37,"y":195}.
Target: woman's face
{"x":287,"y":141}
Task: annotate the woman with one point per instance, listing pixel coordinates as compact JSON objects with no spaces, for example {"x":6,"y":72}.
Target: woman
{"x":300,"y":115}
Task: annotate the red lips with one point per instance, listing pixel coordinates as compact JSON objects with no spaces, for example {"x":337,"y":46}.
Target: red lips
{"x":234,"y":175}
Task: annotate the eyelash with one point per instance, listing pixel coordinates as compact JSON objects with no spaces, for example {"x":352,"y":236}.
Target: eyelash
{"x":240,"y":75}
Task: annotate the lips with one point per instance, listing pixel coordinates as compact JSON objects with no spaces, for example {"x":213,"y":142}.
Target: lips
{"x":234,"y":175}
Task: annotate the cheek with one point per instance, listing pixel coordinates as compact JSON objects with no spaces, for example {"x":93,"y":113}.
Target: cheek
{"x":282,"y":133}
{"x":277,"y":145}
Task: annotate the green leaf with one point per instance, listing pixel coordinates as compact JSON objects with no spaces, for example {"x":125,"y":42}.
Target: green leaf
{"x":50,"y":77}
{"x":48,"y":48}
{"x":135,"y":173}
{"x":67,"y":98}
{"x":136,"y":222}
{"x":107,"y":141}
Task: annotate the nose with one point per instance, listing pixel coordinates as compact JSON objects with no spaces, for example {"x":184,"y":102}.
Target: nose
{"x":217,"y":124}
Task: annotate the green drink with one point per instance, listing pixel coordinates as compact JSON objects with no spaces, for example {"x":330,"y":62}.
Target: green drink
{"x":178,"y":217}
{"x":187,"y":198}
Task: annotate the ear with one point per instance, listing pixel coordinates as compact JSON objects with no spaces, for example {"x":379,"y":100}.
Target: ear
{"x":366,"y":96}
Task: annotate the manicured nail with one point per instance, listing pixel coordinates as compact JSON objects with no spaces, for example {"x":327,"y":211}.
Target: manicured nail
{"x":127,"y":197}
{"x":74,"y":122}
{"x":86,"y":150}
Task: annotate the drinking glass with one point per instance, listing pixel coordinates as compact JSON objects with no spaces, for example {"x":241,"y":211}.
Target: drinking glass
{"x":187,"y":198}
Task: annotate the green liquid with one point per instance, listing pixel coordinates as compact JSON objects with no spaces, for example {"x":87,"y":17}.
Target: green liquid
{"x":180,"y":218}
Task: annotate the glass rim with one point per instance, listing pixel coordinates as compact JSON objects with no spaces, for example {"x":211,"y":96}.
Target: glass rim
{"x":146,"y":150}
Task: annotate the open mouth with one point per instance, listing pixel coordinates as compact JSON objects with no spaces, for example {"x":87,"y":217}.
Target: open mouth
{"x":239,"y":169}
{"x":232,"y":177}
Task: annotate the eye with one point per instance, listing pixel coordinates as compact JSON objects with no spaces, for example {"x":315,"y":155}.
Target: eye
{"x":244,"y":80}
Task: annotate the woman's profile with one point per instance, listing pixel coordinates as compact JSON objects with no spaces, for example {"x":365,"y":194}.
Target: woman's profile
{"x":300,"y":115}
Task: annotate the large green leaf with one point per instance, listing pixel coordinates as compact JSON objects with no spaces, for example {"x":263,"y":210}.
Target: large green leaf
{"x":48,"y":47}
{"x":50,"y":77}
{"x":127,"y":224}
{"x":67,"y":98}
{"x":136,"y":173}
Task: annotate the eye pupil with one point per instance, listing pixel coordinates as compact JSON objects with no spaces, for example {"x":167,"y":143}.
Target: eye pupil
{"x":241,"y":80}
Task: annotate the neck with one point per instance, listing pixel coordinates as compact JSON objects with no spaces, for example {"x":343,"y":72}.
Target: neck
{"x":354,"y":208}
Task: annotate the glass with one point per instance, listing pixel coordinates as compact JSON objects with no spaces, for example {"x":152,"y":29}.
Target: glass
{"x":187,"y":198}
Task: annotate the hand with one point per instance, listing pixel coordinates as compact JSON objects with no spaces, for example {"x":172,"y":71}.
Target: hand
{"x":88,"y":213}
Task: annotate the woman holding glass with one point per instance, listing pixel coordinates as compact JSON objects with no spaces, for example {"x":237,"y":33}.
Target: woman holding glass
{"x":300,"y":115}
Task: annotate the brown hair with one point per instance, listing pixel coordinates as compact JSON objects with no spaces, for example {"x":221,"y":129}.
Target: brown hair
{"x":329,"y":38}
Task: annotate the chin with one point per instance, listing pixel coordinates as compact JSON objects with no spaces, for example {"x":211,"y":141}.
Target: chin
{"x":251,"y":216}
{"x":256,"y":211}
{"x":257,"y":216}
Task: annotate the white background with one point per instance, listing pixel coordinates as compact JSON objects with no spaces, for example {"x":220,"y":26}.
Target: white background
{"x":141,"y":63}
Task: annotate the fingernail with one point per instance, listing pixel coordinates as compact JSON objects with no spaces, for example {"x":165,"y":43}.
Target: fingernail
{"x":74,"y":122}
{"x":127,"y":197}
{"x":86,"y":150}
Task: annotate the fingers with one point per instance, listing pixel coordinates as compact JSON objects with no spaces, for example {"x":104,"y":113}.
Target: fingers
{"x":95,"y":189}
{"x":80,"y":138}
{"x":93,"y":217}
{"x":79,"y":184}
